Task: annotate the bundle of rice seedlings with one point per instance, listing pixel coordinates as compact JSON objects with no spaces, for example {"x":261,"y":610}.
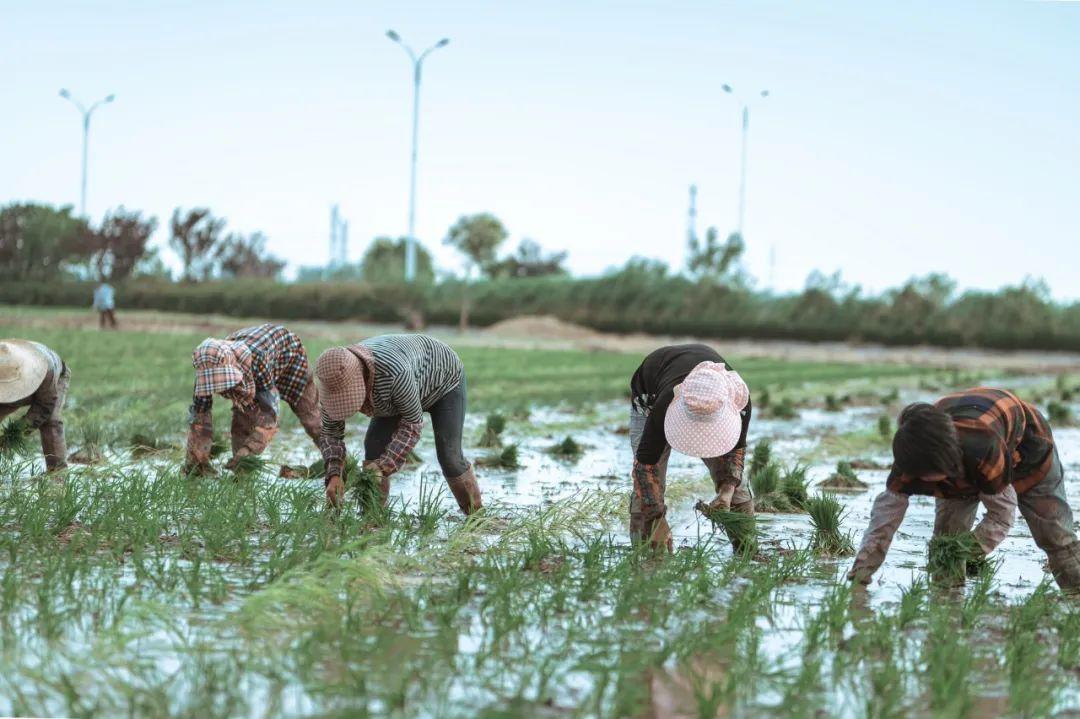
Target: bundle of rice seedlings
{"x":766,"y":479}
{"x":891,"y":396}
{"x":954,"y":556}
{"x":507,"y":458}
{"x":844,"y":479}
{"x":218,"y":446}
{"x":365,"y":488}
{"x":143,"y":444}
{"x":89,"y":451}
{"x":884,"y":427}
{"x":740,"y":528}
{"x":568,"y":448}
{"x":249,"y":464}
{"x":761,"y":457}
{"x":763,"y":398}
{"x":352,"y":466}
{"x":825,"y":516}
{"x":784,"y":409}
{"x":1060,"y":414}
{"x":834,"y":403}
{"x":794,"y":485}
{"x":493,"y":429}
{"x":16,"y":439}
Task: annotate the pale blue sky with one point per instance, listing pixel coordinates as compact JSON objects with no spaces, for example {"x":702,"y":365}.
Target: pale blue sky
{"x":900,"y":138}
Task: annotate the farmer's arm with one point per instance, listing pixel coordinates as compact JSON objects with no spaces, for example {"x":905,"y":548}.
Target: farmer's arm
{"x":332,"y":446}
{"x":264,"y":427}
{"x":200,"y":436}
{"x":885,"y":518}
{"x":999,"y":518}
{"x":407,"y":434}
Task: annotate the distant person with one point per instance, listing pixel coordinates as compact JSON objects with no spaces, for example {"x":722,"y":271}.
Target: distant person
{"x":686,"y":397}
{"x":32,"y":375}
{"x":253,"y":368}
{"x":395,"y":379}
{"x":978,"y":446}
{"x":105,"y":304}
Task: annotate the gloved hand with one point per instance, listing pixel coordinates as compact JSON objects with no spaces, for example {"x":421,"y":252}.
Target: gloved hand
{"x":235,"y":460}
{"x":200,"y":438}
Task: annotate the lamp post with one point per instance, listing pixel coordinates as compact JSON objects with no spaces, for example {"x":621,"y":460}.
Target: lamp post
{"x":418,"y":62}
{"x":745,"y":129}
{"x":86,"y":113}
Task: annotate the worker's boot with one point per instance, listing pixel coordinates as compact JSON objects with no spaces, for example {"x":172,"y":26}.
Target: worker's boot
{"x":1065,"y":565}
{"x":466,"y":491}
{"x":53,"y":445}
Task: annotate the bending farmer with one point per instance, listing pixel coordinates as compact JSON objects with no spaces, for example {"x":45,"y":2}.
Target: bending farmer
{"x":685,"y":397}
{"x":979,"y":446}
{"x":32,"y":375}
{"x":252,"y":367}
{"x":395,"y":379}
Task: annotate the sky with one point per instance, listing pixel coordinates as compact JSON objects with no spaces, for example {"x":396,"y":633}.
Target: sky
{"x":898,"y":139}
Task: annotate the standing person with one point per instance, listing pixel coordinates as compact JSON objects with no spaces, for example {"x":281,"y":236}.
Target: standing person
{"x":254,"y":367}
{"x":32,"y":375}
{"x":395,"y":379}
{"x":983,"y":446}
{"x":105,"y":304}
{"x":687,"y":398}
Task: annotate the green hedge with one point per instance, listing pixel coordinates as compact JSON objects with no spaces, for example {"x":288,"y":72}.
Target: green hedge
{"x":1013,"y":318}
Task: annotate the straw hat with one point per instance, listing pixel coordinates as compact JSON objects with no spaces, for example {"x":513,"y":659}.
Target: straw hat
{"x":341,"y":376}
{"x":22,"y":369}
{"x":704,"y":420}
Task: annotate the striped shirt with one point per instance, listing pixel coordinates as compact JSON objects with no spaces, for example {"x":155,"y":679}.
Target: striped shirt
{"x":1005,"y":441}
{"x":411,"y":374}
{"x":278,"y":362}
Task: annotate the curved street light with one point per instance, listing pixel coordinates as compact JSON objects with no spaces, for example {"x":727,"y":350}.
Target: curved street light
{"x":86,"y":113}
{"x":418,"y":62}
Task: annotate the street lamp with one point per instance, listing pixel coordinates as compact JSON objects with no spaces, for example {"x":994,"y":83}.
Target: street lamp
{"x":86,"y":113}
{"x":745,"y":128}
{"x":410,"y":241}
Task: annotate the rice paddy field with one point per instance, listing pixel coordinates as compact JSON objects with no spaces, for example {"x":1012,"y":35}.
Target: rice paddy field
{"x":128,"y":589}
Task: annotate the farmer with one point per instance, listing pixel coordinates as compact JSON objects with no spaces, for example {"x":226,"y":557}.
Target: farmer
{"x":252,"y":367}
{"x":105,"y":304}
{"x":687,"y":398}
{"x":395,"y":379}
{"x":32,"y":375}
{"x":978,"y":446}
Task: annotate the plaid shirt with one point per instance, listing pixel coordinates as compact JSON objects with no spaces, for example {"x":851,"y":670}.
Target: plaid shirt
{"x":1005,"y":441}
{"x":277,"y":361}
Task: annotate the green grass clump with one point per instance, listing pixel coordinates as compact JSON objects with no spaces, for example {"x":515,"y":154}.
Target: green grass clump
{"x":952,"y":557}
{"x":493,"y":429}
{"x":794,"y":485}
{"x":740,"y":527}
{"x":568,"y":448}
{"x":761,"y":456}
{"x":765,"y":479}
{"x":783,"y":408}
{"x":844,"y":478}
{"x":825,"y":516}
{"x":506,"y":458}
{"x":1060,"y":414}
{"x":15,"y":439}
{"x":777,"y":489}
{"x":91,"y":440}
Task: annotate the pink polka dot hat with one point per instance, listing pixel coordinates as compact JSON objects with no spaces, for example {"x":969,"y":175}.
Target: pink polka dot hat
{"x":704,"y":418}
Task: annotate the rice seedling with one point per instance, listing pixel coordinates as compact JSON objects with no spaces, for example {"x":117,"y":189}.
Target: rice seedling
{"x":568,"y":448}
{"x":761,"y":456}
{"x":506,"y":458}
{"x":884,"y":427}
{"x":844,"y":479}
{"x":763,"y":398}
{"x":794,"y":485}
{"x":834,"y":403}
{"x":952,"y":557}
{"x":250,"y":464}
{"x":783,"y":408}
{"x":776,"y":489}
{"x":740,"y":527}
{"x":493,"y":429}
{"x":16,"y":439}
{"x":365,"y":488}
{"x":890,"y":397}
{"x":352,"y":465}
{"x":1060,"y":414}
{"x":91,"y":441}
{"x":826,"y":514}
{"x":218,"y":446}
{"x":143,"y":444}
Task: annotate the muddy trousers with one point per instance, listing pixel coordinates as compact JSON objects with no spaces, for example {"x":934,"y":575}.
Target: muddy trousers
{"x":306,"y":409}
{"x":107,"y":319}
{"x":1046,"y":510}
{"x":741,"y":501}
{"x":53,"y":444}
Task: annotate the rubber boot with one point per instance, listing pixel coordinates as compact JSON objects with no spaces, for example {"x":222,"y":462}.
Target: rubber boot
{"x":466,"y":491}
{"x":1065,"y":565}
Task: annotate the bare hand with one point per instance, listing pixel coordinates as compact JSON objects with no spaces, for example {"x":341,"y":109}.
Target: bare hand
{"x":335,"y":491}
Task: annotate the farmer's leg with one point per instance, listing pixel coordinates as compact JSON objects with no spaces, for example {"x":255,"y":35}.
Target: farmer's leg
{"x":101,"y":319}
{"x":953,"y":516}
{"x":448,"y":421}
{"x":379,"y":432}
{"x":306,"y":409}
{"x":53,"y":445}
{"x":112,"y":318}
{"x":1046,"y":510}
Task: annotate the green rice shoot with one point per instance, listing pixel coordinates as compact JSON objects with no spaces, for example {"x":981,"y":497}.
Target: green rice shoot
{"x":952,"y":557}
{"x":493,"y":429}
{"x":740,"y":527}
{"x":506,"y":458}
{"x":568,"y":448}
{"x":15,"y":439}
{"x":844,"y":478}
{"x":826,"y":514}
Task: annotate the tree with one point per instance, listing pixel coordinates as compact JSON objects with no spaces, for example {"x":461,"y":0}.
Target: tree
{"x":529,"y":261}
{"x":477,"y":237}
{"x":384,"y":261}
{"x":711,"y":261}
{"x":240,"y":256}
{"x":194,"y":238}
{"x":37,"y":241}
{"x":119,"y":245}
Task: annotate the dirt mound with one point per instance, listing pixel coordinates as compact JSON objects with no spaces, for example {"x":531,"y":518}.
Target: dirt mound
{"x":541,"y":327}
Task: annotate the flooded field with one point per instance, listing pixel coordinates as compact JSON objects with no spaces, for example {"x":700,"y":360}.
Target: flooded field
{"x":129,"y":589}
